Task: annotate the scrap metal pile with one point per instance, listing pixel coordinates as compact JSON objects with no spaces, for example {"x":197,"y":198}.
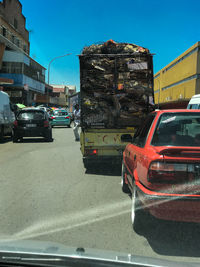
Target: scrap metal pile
{"x":116,"y":85}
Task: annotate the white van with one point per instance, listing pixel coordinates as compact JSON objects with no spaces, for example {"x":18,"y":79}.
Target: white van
{"x":194,"y":102}
{"x":7,"y":117}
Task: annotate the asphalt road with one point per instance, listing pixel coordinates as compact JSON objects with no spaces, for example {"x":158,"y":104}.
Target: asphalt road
{"x":46,"y":194}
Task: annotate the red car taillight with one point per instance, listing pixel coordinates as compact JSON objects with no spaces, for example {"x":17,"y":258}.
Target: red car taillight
{"x":67,"y":117}
{"x":53,"y":117}
{"x":160,"y":172}
{"x":15,"y":123}
{"x":46,"y":124}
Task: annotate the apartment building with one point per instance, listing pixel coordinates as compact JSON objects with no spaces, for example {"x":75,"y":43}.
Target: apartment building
{"x":28,"y":76}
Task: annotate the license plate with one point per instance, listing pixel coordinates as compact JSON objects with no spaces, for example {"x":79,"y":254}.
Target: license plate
{"x":31,"y":125}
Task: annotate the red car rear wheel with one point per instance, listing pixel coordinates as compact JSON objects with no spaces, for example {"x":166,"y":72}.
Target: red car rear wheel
{"x":124,"y":186}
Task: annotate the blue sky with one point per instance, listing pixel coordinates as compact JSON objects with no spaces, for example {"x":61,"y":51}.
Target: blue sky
{"x":166,"y":28}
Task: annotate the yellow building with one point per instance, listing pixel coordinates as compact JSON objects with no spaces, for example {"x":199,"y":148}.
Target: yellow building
{"x":176,"y":83}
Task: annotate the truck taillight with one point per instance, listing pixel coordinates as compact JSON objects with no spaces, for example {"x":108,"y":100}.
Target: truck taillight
{"x":15,"y":123}
{"x":91,"y":152}
{"x":46,"y":124}
{"x":94,"y":152}
{"x":162,"y":172}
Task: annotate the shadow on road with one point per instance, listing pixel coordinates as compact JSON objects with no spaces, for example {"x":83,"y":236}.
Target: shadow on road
{"x":173,"y":238}
{"x":61,"y":127}
{"x":33,"y":140}
{"x":104,"y":169}
{"x":6,"y":140}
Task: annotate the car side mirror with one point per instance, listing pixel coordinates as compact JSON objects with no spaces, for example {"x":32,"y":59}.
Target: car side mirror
{"x":126,"y":138}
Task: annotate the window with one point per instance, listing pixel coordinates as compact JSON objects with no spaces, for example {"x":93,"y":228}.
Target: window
{"x":4,"y":31}
{"x":13,"y":39}
{"x":193,"y":106}
{"x":25,"y":48}
{"x":60,"y":113}
{"x":12,"y":67}
{"x":177,"y":129}
{"x":141,"y":134}
{"x":31,"y":115}
{"x":17,"y":42}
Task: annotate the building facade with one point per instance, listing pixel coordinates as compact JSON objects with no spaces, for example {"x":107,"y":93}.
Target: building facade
{"x":176,"y":83}
{"x":62,"y":92}
{"x":28,"y":76}
{"x":13,"y":32}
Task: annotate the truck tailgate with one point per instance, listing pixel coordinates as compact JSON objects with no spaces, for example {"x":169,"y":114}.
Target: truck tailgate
{"x":108,"y":142}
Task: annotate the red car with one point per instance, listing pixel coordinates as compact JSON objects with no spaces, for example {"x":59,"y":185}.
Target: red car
{"x":161,"y":167}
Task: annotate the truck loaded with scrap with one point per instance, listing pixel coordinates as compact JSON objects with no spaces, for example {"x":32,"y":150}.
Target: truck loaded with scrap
{"x":116,"y":85}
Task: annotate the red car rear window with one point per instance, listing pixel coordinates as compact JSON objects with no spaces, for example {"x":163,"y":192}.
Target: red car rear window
{"x":177,"y":129}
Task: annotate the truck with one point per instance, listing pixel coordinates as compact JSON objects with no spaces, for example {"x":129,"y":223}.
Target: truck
{"x":7,"y":117}
{"x":116,"y":93}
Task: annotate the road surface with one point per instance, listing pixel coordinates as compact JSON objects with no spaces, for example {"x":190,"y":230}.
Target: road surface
{"x":46,"y":194}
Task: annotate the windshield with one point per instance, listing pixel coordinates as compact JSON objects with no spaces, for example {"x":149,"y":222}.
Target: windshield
{"x":177,"y":129}
{"x":31,"y":115}
{"x":83,"y":161}
{"x":60,"y":113}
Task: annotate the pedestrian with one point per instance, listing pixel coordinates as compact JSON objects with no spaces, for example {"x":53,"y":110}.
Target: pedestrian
{"x":77,"y":116}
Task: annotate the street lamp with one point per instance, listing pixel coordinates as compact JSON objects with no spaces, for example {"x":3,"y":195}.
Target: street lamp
{"x":49,"y":72}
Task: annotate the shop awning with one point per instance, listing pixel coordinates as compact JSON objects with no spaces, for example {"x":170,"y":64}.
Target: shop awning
{"x":6,"y":81}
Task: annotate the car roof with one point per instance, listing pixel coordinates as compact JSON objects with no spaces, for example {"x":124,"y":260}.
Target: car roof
{"x":196,"y":96}
{"x":176,"y":111}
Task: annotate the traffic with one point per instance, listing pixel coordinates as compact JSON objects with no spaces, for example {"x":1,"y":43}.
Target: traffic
{"x":156,"y":150}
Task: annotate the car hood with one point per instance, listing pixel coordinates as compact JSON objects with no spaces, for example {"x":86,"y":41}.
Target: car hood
{"x":29,"y":248}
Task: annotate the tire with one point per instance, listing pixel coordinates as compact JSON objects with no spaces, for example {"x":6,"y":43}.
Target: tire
{"x":138,"y":215}
{"x":125,"y":188}
{"x":1,"y":134}
{"x":15,"y":138}
{"x":49,"y":137}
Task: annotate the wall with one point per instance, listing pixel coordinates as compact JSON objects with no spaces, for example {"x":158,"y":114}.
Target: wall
{"x":178,"y":80}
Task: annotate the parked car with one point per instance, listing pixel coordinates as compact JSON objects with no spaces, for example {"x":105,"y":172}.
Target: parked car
{"x":60,"y":117}
{"x":194,"y":102}
{"x":32,"y":122}
{"x":7,"y":116}
{"x":161,"y":167}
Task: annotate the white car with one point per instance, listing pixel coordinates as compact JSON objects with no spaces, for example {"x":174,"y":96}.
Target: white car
{"x":194,"y":102}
